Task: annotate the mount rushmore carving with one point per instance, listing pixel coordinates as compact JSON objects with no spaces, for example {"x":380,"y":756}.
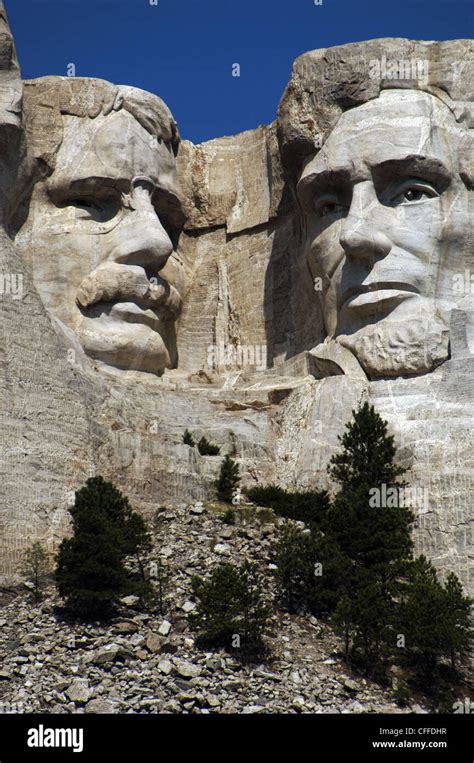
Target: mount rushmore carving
{"x":145,"y":278}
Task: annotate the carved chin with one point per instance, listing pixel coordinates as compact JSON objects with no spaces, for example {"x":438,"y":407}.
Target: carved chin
{"x":400,"y":348}
{"x":129,"y":347}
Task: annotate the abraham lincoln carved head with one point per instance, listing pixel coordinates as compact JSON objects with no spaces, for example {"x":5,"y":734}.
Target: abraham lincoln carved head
{"x":385,"y":200}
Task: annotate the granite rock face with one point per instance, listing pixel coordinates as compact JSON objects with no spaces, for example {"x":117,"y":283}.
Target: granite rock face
{"x":47,"y":435}
{"x":252,"y":289}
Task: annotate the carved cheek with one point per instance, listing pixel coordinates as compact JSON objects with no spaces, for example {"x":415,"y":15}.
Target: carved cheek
{"x":418,"y":228}
{"x":325,"y":251}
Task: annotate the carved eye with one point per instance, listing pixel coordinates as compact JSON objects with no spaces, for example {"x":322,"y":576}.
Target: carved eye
{"x":414,"y":191}
{"x":328,"y":206}
{"x":98,"y":210}
{"x":326,"y":209}
{"x":414,"y":194}
{"x":84,"y":204}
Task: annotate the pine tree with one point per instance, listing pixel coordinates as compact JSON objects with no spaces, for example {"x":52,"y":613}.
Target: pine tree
{"x":91,"y":573}
{"x":36,"y":565}
{"x":419,"y":618}
{"x":373,"y":535}
{"x":294,"y":559}
{"x":231,"y":611}
{"x":228,"y":479}
{"x":372,"y":624}
{"x":332,"y":575}
{"x":435,"y":620}
{"x":312,"y":573}
{"x":376,"y":538}
{"x":457,"y":620}
{"x":368,"y":453}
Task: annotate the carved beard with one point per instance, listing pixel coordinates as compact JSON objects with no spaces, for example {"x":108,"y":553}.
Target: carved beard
{"x":402,"y":348}
{"x":126,"y":346}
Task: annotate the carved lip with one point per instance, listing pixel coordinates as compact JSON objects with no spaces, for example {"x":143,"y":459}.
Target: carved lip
{"x":102,"y":286}
{"x":127,"y":311}
{"x":378,"y":291}
{"x":130,"y":312}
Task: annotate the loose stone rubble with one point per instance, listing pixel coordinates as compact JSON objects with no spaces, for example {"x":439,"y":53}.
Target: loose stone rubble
{"x":145,"y":662}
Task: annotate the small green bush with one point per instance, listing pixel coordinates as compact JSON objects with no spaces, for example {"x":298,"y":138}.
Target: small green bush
{"x":311,"y":570}
{"x":308,"y":506}
{"x":294,"y":559}
{"x":231,"y":610}
{"x":402,"y":694}
{"x":206,"y":448}
{"x":36,"y":566}
{"x":229,"y":517}
{"x":188,"y":438}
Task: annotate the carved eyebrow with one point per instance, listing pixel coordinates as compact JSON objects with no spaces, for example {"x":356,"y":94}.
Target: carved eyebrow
{"x":93,"y":185}
{"x":426,"y":167}
{"x":321,"y":182}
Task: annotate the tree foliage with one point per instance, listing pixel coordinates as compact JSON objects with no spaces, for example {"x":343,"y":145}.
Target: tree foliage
{"x":434,"y":619}
{"x":231,"y":610}
{"x":228,"y":479}
{"x":368,"y":452}
{"x":188,"y":438}
{"x":36,"y":566}
{"x":356,"y":562}
{"x":308,"y":506}
{"x":207,"y":448}
{"x":91,"y":572}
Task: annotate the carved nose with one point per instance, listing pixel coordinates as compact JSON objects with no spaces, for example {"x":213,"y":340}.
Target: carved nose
{"x":361,"y":234}
{"x":143,"y":240}
{"x":362,"y":240}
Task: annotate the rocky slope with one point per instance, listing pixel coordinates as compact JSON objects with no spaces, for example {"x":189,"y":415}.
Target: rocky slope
{"x":147,"y":663}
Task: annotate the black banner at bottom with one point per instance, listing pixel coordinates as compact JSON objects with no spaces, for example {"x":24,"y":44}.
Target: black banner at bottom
{"x":96,"y":738}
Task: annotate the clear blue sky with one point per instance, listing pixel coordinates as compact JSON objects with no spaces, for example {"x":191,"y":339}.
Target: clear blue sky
{"x":183,"y":50}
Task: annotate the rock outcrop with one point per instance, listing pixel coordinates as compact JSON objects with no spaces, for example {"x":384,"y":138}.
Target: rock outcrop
{"x":216,"y":321}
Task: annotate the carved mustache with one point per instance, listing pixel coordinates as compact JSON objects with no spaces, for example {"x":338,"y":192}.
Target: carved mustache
{"x":114,"y":282}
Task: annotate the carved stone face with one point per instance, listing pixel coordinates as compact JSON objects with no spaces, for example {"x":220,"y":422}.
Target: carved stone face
{"x":97,"y":242}
{"x":387,"y":228}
